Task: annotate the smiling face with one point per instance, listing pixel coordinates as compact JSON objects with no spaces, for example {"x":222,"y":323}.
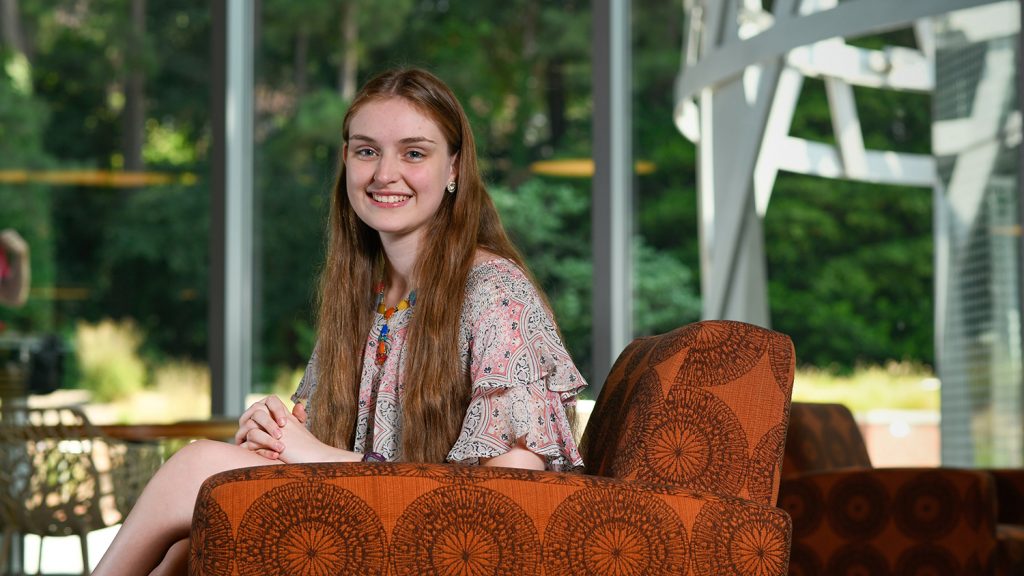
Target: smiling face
{"x":397,"y":165}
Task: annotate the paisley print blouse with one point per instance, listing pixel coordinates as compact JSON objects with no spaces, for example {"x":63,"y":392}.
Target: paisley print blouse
{"x":523,"y":379}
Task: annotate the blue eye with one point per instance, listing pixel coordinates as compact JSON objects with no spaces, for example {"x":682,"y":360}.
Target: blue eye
{"x":416,"y":154}
{"x":364,"y":152}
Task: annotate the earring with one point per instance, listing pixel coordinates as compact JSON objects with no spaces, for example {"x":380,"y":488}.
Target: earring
{"x":451,"y":187}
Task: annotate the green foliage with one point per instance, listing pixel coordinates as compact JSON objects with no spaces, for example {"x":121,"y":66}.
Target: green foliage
{"x":849,"y":286}
{"x":107,"y":354}
{"x":26,"y":207}
{"x":665,"y":293}
{"x":849,"y":264}
{"x":153,"y":267}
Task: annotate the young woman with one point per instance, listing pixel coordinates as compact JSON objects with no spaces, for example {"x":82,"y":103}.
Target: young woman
{"x":434,"y":345}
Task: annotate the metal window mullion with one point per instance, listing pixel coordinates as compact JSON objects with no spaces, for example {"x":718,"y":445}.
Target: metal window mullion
{"x":612,"y":209}
{"x":238,"y":213}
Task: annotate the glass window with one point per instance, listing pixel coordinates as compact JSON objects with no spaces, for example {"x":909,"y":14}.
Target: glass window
{"x":104,"y":133}
{"x":522,"y":71}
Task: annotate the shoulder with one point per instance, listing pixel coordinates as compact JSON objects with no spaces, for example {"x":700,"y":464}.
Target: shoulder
{"x":494,"y":279}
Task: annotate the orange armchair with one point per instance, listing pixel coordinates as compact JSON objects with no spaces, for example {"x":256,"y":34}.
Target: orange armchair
{"x":849,"y":517}
{"x":683,"y":449}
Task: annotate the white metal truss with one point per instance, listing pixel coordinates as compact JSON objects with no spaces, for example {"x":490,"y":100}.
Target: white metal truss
{"x":743,"y":69}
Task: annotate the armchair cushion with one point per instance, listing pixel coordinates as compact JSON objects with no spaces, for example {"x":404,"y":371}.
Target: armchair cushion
{"x":891,"y":521}
{"x":705,"y":407}
{"x":436,"y":518}
{"x":823,"y":437}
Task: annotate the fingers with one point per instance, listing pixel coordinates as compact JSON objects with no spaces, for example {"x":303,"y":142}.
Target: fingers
{"x":268,"y":454}
{"x":269,"y":414}
{"x":257,"y":439}
{"x":299,"y":411}
{"x":277,"y":409}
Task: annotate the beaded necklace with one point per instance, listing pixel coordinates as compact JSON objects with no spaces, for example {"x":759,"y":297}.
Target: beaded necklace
{"x":383,"y":346}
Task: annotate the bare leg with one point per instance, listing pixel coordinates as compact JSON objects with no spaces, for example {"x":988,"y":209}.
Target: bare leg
{"x":175,"y":563}
{"x":163,"y":513}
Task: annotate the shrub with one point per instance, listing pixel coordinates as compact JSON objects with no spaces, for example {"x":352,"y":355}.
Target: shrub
{"x":108,"y":358}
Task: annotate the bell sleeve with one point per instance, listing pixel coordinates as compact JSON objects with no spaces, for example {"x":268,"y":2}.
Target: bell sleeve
{"x":524,"y":383}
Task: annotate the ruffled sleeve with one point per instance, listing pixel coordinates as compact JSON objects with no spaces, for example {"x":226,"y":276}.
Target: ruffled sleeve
{"x":307,"y":385}
{"x":523,"y":379}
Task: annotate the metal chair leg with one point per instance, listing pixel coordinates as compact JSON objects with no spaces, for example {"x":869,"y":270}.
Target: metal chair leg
{"x":84,"y":540}
{"x":5,"y":547}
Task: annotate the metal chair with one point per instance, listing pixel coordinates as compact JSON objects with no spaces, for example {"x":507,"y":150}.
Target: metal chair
{"x":60,"y":476}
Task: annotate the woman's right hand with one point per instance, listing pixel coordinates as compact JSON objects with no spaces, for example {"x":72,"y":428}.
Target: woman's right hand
{"x":259,"y":427}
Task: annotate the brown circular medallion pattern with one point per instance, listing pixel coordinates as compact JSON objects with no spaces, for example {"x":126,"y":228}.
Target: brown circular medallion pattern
{"x":696,"y":442}
{"x":765,"y":466}
{"x":643,"y":404}
{"x":858,"y":560}
{"x":858,"y":506}
{"x":310,"y":529}
{"x":614,"y":532}
{"x":737,"y":540}
{"x":462,"y":530}
{"x":212,"y":547}
{"x":672,"y":342}
{"x":802,"y":500}
{"x":721,"y":353}
{"x":928,"y":560}
{"x":927,"y":507}
{"x":780,"y":355}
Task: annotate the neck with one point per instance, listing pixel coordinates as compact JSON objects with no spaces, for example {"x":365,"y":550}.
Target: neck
{"x":401,"y":254}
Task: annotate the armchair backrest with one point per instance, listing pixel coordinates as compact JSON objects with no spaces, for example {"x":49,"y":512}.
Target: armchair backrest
{"x":704,"y":407}
{"x":823,"y":437}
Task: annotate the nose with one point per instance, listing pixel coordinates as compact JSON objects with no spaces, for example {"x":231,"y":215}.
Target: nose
{"x":387,"y":170}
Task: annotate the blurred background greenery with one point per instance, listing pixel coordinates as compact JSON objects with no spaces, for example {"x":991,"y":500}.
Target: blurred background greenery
{"x":121,"y":273}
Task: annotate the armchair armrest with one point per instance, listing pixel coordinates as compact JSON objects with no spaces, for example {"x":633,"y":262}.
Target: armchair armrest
{"x":892,"y":521}
{"x":433,"y":518}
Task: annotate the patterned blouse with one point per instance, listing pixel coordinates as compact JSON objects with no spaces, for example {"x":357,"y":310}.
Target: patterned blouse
{"x":523,"y":379}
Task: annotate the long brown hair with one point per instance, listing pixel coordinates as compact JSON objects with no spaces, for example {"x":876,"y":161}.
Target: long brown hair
{"x":436,"y":385}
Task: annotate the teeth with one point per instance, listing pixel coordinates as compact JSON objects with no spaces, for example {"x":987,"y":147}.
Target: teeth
{"x":388,"y":199}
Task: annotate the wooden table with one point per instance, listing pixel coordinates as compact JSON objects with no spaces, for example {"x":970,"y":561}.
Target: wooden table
{"x":216,"y":428}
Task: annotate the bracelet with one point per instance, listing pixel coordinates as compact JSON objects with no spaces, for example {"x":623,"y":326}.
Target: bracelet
{"x":374,"y":457}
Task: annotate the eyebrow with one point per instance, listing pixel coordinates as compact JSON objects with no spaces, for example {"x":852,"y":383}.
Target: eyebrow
{"x":409,"y":140}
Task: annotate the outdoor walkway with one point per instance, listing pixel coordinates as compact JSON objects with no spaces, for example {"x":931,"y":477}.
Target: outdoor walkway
{"x":63,"y":555}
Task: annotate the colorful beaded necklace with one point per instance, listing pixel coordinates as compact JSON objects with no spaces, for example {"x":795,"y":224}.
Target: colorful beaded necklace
{"x":383,"y":346}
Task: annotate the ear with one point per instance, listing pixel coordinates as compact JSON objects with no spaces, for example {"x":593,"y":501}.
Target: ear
{"x":455,"y":167}
{"x":344,"y":152}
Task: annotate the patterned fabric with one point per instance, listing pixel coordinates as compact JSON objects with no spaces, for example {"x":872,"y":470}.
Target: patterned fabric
{"x":1010,"y":515}
{"x":665,"y":400}
{"x":523,"y":379}
{"x":704,"y":407}
{"x":891,"y":521}
{"x":942,"y":519}
{"x":450,"y":519}
{"x":823,"y":437}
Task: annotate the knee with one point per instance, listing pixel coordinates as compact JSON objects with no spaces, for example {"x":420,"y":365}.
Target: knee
{"x":198,"y":451}
{"x":203,"y":457}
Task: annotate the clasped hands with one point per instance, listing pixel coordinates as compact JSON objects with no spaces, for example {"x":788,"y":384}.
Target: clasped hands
{"x":270,"y":430}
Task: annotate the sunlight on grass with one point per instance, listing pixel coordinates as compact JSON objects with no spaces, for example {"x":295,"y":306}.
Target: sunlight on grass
{"x":896,"y":386}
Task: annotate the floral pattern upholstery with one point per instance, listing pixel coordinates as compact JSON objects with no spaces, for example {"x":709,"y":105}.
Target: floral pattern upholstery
{"x":851,"y":518}
{"x":657,"y":515}
{"x":704,"y":407}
